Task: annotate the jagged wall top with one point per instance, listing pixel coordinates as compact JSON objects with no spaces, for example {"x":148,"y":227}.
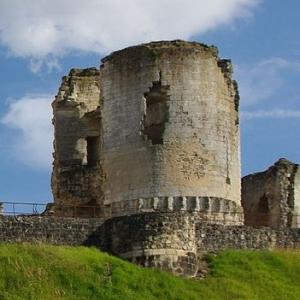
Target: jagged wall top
{"x":161,"y":45}
{"x":272,"y":197}
{"x":157,"y":48}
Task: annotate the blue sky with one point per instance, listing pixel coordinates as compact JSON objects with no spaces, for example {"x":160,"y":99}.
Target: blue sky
{"x":41,"y":41}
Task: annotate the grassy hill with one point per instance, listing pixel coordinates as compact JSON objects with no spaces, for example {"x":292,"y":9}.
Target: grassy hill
{"x":52,"y":272}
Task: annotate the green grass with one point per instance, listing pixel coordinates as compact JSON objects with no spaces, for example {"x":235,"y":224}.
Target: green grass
{"x":52,"y":272}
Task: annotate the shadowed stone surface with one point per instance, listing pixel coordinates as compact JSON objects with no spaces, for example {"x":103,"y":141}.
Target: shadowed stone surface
{"x":272,"y":198}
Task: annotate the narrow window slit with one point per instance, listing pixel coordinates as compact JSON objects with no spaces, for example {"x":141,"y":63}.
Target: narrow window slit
{"x":92,"y":149}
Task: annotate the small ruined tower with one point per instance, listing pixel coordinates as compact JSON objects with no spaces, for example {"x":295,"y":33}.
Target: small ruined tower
{"x":272,"y":197}
{"x":156,"y":129}
{"x":77,"y":176}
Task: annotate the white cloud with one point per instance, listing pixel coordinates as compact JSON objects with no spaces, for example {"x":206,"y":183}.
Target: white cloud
{"x":271,"y":114}
{"x":261,"y":81}
{"x":43,"y":29}
{"x":30,"y":117}
{"x":51,"y":64}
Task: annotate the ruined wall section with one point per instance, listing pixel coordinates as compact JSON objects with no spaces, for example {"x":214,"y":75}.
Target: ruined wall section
{"x":183,"y":238}
{"x":170,"y":129}
{"x":272,"y":198}
{"x":76,"y":178}
{"x":141,"y":239}
{"x":296,"y":204}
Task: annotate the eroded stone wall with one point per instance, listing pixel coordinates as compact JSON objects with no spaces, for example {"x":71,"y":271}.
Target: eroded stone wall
{"x":295,"y":222}
{"x":272,"y":198}
{"x":161,"y":240}
{"x":170,"y":125}
{"x":175,"y":241}
{"x":50,"y":230}
{"x":77,"y":174}
{"x":169,"y":241}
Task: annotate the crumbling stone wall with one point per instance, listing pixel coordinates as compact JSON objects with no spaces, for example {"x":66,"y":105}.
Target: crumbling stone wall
{"x":175,"y":241}
{"x":272,"y":197}
{"x":161,"y":240}
{"x":49,"y":230}
{"x":216,"y":237}
{"x":295,"y":205}
{"x":169,"y":241}
{"x":77,"y":174}
{"x":170,"y":127}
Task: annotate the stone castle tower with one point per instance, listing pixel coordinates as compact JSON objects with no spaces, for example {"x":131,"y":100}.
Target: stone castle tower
{"x":155,"y":129}
{"x":149,"y":145}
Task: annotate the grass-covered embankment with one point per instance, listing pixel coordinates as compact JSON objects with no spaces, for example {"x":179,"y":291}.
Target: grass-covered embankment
{"x":51,"y":272}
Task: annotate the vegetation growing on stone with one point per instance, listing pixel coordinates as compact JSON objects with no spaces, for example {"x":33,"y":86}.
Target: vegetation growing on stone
{"x":55,"y":272}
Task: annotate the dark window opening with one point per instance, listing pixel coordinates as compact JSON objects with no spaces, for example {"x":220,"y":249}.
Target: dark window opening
{"x":92,"y":147}
{"x":263,"y":205}
{"x":156,"y":112}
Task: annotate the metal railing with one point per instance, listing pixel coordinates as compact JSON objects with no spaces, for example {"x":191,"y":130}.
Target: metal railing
{"x":21,"y":208}
{"x":46,"y":209}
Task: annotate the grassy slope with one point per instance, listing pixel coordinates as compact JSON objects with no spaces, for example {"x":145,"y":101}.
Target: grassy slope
{"x":50,"y":272}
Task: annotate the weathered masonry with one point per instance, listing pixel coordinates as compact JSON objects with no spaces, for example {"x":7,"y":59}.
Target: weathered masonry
{"x":272,"y":198}
{"x":147,"y":154}
{"x":140,"y":238}
{"x":77,"y":175}
{"x":151,"y":140}
{"x":155,"y":129}
{"x":170,"y":130}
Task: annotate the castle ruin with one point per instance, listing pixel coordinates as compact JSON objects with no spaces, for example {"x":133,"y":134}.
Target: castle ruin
{"x":149,"y":144}
{"x":156,"y":128}
{"x":77,"y":176}
{"x":272,"y":198}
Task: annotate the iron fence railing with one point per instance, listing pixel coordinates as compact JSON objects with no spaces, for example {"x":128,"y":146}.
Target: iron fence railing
{"x":22,"y":208}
